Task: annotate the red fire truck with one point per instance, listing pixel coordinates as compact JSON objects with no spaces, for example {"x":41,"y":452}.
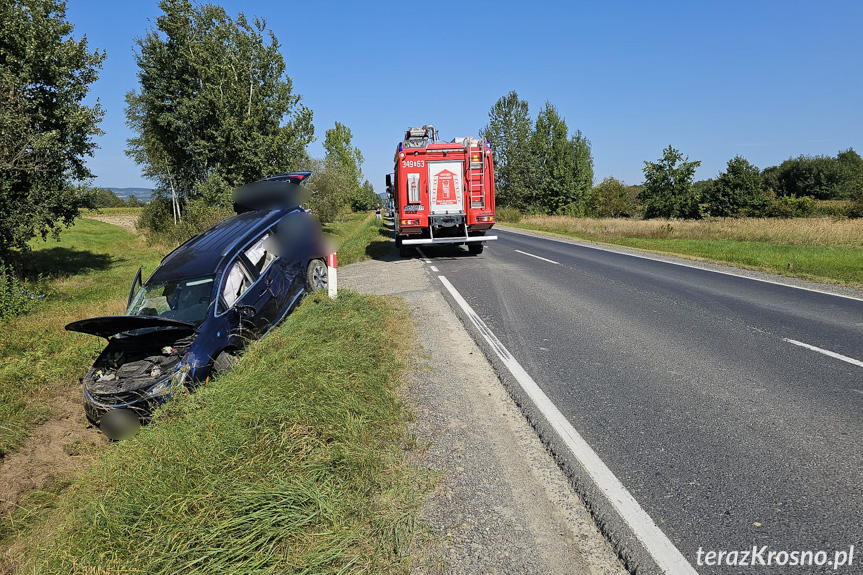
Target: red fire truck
{"x":442,"y":192}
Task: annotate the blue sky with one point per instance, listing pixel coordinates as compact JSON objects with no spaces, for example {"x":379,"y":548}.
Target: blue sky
{"x":766,"y":80}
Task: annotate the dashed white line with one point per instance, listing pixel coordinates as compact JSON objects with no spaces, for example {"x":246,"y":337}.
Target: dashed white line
{"x":434,"y":269}
{"x":827,"y":352}
{"x":539,"y":258}
{"x":423,"y":256}
{"x":660,"y":547}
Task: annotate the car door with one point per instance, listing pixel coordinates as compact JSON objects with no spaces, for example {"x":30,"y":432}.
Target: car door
{"x":270,"y":294}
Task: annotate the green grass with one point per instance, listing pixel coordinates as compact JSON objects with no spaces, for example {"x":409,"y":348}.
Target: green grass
{"x":87,"y":273}
{"x":361,"y":237}
{"x":840,"y":264}
{"x":293,"y":463}
{"x":122,"y":211}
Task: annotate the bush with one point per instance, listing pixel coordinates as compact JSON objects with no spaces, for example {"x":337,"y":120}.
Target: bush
{"x":13,"y":299}
{"x":613,"y":199}
{"x":506,"y":214}
{"x":791,"y":207}
{"x":832,"y":208}
{"x":157,"y":220}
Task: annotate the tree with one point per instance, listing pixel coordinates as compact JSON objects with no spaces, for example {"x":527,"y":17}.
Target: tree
{"x":583,"y":166}
{"x":330,"y":189}
{"x":818,"y":177}
{"x":737,"y":191}
{"x":337,"y":143}
{"x":667,"y":190}
{"x":552,"y":166}
{"x":103,"y":198}
{"x":613,"y":199}
{"x":851,"y":171}
{"x":509,"y":131}
{"x":215,"y":108}
{"x":365,"y":198}
{"x":45,"y":129}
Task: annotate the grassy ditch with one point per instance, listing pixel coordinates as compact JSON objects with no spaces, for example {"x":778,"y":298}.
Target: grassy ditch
{"x":87,"y":273}
{"x":361,"y":237}
{"x":293,"y":463}
{"x":821,"y":249}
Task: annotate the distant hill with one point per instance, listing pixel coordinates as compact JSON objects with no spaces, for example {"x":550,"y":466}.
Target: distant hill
{"x":143,"y":194}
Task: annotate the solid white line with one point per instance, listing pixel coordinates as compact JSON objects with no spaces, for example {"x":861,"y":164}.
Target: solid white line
{"x":434,"y":269}
{"x":653,"y":259}
{"x":423,"y":255}
{"x":539,"y":257}
{"x":832,"y":354}
{"x":660,"y":547}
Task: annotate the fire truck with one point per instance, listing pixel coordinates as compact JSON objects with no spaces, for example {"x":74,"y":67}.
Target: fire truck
{"x":442,"y":192}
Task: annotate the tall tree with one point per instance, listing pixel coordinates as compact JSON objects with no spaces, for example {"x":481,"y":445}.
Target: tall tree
{"x":339,"y":148}
{"x":667,"y":191}
{"x":552,"y":164}
{"x":509,"y":131}
{"x":737,"y":191}
{"x":45,"y":129}
{"x":851,"y":171}
{"x":583,"y":166}
{"x":215,"y":108}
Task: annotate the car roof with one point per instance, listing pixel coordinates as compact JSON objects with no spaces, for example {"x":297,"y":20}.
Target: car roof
{"x":202,"y":254}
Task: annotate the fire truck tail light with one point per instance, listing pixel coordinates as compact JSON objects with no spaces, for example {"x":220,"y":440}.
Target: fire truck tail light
{"x":485,"y":218}
{"x":410,"y":222}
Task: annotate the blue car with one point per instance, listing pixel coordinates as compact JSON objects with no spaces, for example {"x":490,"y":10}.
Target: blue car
{"x":206,"y":300}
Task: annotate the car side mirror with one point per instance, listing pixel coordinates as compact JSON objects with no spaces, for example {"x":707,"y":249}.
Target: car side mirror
{"x":245,"y":311}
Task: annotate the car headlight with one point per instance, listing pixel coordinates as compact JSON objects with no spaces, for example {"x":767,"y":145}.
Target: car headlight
{"x":173,"y":382}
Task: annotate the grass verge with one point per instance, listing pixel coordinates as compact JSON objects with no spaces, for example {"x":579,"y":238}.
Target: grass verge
{"x":820,"y":249}
{"x":361,"y":237}
{"x":292,"y":463}
{"x":87,"y":273}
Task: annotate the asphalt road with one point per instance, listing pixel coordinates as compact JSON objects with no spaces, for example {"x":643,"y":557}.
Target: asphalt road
{"x":683,"y":382}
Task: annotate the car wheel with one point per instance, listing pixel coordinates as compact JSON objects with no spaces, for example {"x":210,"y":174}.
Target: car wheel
{"x":475,"y":248}
{"x":224,"y":362}
{"x":316,"y":275}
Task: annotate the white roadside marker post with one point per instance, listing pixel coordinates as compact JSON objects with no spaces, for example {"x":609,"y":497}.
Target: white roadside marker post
{"x":332,"y":276}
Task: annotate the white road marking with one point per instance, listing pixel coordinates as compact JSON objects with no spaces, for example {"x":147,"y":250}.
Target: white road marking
{"x":860,"y":391}
{"x":434,"y":269}
{"x":604,"y":249}
{"x":423,"y":256}
{"x":660,"y":547}
{"x":832,"y":354}
{"x":539,"y":257}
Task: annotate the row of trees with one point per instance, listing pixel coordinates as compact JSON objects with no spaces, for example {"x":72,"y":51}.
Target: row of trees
{"x":539,"y":167}
{"x":744,"y":190}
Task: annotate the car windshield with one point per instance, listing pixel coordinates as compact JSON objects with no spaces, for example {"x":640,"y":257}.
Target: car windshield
{"x":183,"y":300}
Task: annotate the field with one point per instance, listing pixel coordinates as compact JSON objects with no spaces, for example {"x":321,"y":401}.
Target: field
{"x":820,"y":249}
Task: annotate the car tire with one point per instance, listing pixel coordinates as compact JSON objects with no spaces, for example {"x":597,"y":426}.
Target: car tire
{"x":224,"y":362}
{"x":316,"y":276}
{"x":475,"y":248}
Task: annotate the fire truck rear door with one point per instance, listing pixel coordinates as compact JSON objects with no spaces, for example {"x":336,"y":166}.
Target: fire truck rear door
{"x":446,"y":187}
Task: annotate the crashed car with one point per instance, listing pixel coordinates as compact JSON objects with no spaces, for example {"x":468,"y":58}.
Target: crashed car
{"x":203,"y":303}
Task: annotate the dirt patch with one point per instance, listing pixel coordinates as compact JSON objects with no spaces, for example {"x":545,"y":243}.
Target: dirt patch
{"x":54,"y":449}
{"x":125,"y":222}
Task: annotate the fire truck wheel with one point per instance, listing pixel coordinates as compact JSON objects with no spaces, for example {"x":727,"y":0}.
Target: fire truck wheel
{"x":475,"y":248}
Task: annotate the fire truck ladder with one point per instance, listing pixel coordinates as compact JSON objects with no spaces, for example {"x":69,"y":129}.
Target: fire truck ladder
{"x":476,"y":188}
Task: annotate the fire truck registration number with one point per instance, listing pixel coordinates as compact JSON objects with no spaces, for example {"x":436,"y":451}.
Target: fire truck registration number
{"x":415,"y":208}
{"x":413,"y":164}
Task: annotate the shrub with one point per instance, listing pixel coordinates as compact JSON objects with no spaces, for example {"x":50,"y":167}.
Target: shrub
{"x":791,"y":207}
{"x":507,"y":214}
{"x":157,"y":220}
{"x":13,"y":299}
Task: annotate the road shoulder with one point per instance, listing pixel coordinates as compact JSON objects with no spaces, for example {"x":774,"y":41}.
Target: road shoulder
{"x":502,"y":505}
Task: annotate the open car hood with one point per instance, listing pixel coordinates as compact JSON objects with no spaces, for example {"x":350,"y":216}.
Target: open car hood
{"x":109,"y":325}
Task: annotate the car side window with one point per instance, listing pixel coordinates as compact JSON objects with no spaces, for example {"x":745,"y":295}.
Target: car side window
{"x":261,"y":253}
{"x":238,"y":281}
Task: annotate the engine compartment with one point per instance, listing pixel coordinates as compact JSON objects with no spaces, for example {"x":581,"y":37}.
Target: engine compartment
{"x":131,"y":365}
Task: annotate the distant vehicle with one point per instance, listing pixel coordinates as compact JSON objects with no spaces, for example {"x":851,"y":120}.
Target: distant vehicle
{"x":443,"y":192}
{"x":206,"y":300}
